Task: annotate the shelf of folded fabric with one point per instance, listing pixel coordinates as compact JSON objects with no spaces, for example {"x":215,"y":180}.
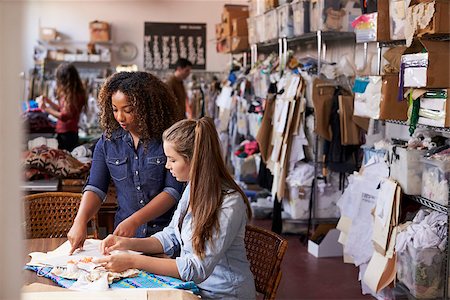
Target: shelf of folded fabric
{"x":428,"y":203}
{"x":436,"y":129}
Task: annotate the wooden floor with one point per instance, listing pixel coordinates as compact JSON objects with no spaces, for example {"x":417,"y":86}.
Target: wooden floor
{"x":308,"y":277}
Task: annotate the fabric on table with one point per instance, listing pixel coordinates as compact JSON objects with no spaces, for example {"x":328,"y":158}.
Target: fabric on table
{"x":143,"y":280}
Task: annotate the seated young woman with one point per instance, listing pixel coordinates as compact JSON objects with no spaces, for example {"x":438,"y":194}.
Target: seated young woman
{"x":208,"y":226}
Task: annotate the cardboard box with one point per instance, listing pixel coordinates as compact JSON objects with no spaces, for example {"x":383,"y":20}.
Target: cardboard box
{"x":390,"y":107}
{"x":328,"y":246}
{"x":383,"y":25}
{"x":440,"y":23}
{"x":100,"y":31}
{"x":224,"y":45}
{"x":219,"y":32}
{"x":433,"y":71}
{"x":239,"y":27}
{"x":239,"y":43}
{"x":234,"y":12}
{"x":270,"y":4}
{"x":48,"y":34}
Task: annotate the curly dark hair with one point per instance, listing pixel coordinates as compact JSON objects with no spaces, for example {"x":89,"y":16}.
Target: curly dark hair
{"x":154,"y":106}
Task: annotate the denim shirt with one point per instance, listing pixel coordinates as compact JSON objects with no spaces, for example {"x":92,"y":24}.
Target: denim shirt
{"x":138,"y":175}
{"x":224,"y":272}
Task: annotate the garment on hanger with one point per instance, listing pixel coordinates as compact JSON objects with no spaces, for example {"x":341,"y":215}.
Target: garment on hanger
{"x":264,"y":135}
{"x":338,"y":157}
{"x":322,"y":99}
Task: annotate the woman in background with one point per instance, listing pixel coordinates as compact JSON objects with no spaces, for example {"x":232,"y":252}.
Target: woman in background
{"x":72,"y":98}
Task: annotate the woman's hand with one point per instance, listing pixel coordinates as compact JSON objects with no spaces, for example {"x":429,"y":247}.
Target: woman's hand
{"x":76,"y":236}
{"x":42,"y":102}
{"x":114,"y":242}
{"x":126,"y":228}
{"x":117,"y":263}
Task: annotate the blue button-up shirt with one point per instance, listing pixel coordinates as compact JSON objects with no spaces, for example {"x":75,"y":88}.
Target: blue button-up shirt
{"x":224,"y":272}
{"x":138,"y":175}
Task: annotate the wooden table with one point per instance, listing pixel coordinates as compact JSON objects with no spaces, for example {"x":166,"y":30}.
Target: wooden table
{"x":39,"y":245}
{"x":48,"y":244}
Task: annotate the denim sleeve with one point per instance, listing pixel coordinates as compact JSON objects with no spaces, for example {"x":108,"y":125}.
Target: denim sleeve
{"x":99,"y":176}
{"x":173,"y":187}
{"x":232,"y":217}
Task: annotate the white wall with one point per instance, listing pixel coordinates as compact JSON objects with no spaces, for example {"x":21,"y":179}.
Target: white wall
{"x":127,"y":18}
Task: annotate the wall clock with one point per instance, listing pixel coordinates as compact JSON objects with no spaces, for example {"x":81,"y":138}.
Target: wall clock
{"x":128,"y":51}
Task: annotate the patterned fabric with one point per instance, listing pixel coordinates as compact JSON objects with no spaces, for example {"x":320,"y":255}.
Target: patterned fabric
{"x":143,"y":280}
{"x":54,"y":162}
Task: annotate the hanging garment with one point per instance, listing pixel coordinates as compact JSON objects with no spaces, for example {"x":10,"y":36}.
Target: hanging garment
{"x":350,"y":131}
{"x":338,"y":157}
{"x":322,"y":100}
{"x":264,"y":135}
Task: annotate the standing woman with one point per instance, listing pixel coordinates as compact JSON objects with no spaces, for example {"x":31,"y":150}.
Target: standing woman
{"x":71,"y":97}
{"x":135,"y":109}
{"x":208,"y":227}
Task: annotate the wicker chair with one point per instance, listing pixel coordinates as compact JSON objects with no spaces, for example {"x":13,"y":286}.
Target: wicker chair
{"x":50,"y":215}
{"x":265,"y":251}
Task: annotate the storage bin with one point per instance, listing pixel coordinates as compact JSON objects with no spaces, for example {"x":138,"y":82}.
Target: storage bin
{"x":300,"y":15}
{"x":333,"y":15}
{"x":406,"y":168}
{"x":435,"y":177}
{"x":260,"y":28}
{"x":285,"y":21}
{"x":246,"y":169}
{"x":369,"y":152}
{"x":397,"y":19}
{"x":297,"y":206}
{"x":422,"y":271}
{"x":252,"y":36}
{"x":256,"y":7}
{"x":271,"y":25}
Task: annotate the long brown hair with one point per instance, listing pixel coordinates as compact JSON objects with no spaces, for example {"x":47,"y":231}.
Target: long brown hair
{"x":198,"y":142}
{"x":69,"y":86}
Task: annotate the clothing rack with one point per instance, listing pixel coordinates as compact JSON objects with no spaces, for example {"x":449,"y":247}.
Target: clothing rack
{"x":320,"y":39}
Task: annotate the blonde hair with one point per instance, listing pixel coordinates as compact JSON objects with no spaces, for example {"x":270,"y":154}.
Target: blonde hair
{"x":198,"y":142}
